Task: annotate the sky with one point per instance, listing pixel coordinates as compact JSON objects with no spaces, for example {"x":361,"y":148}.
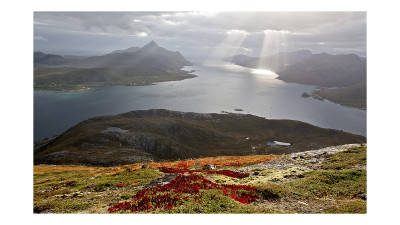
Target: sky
{"x":201,"y":34}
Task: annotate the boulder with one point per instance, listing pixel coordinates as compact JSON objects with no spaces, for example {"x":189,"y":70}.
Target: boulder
{"x":209,"y":167}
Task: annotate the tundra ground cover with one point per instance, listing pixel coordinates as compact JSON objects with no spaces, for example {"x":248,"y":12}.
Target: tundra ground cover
{"x":182,"y":188}
{"x":336,"y":185}
{"x":95,"y":189}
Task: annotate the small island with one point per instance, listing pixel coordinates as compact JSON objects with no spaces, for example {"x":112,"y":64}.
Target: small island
{"x":305,"y":95}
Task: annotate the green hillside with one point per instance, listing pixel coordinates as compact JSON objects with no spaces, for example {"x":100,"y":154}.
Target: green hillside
{"x":158,"y":134}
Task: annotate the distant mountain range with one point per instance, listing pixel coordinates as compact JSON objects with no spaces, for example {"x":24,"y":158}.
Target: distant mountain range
{"x":133,"y":66}
{"x":303,"y":67}
{"x":327,"y":71}
{"x":276,"y":62}
{"x":348,"y":72}
{"x":41,"y":58}
{"x":151,"y":55}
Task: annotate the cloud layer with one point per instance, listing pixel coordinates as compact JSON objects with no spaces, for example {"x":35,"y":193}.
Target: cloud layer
{"x":201,"y":34}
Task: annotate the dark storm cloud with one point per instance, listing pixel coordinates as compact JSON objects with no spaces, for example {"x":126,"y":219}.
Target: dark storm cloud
{"x":195,"y":33}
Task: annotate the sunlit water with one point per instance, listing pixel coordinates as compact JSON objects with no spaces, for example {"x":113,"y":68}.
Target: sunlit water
{"x":217,"y":88}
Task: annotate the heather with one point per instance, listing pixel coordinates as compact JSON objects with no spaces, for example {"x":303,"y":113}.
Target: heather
{"x":315,"y":182}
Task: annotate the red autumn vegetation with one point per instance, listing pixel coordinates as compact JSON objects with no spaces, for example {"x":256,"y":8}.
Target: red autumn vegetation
{"x":169,"y":195}
{"x":222,"y":172}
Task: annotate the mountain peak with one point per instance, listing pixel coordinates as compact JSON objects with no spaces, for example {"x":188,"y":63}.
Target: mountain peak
{"x":150,"y":47}
{"x":151,"y":44}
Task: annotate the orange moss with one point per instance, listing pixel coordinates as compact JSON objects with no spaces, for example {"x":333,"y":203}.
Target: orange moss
{"x":235,"y":161}
{"x":220,"y":161}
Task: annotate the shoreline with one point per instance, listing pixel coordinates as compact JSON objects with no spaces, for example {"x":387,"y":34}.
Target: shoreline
{"x":318,"y":97}
{"x":91,"y":87}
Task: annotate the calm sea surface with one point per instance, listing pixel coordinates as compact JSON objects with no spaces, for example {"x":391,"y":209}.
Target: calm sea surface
{"x":217,"y":88}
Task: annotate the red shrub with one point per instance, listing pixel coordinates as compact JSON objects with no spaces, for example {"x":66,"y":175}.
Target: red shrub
{"x":147,"y":199}
{"x":223,"y":172}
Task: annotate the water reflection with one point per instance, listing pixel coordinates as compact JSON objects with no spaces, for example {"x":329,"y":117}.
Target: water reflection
{"x":263,"y":72}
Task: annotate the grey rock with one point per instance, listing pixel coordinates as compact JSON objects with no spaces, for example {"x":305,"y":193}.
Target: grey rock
{"x":209,"y":167}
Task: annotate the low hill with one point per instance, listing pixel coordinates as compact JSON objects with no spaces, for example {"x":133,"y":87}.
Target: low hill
{"x":354,"y":96}
{"x":42,"y":59}
{"x":70,"y":78}
{"x":146,"y":135}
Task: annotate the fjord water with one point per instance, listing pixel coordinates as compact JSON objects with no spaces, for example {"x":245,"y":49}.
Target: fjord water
{"x":220,"y":87}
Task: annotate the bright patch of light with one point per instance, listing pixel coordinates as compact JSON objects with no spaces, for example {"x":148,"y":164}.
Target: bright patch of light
{"x":263,"y":72}
{"x":141,"y":34}
{"x":172,"y":23}
{"x":230,"y":46}
{"x":237,"y":32}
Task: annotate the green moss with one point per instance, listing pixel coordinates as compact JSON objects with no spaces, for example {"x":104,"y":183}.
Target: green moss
{"x":60,"y":206}
{"x":354,"y":157}
{"x":271,"y":191}
{"x":138,"y":177}
{"x":352,"y":207}
{"x":344,"y":183}
{"x":126,"y":196}
{"x":213,"y":201}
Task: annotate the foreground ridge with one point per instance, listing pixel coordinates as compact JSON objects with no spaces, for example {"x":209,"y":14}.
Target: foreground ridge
{"x":327,"y":180}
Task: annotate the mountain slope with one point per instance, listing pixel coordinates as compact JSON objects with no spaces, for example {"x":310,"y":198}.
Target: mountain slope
{"x":150,"y":55}
{"x":131,"y":49}
{"x":133,"y":66}
{"x":161,"y":134}
{"x":42,"y":59}
{"x":327,"y":71}
{"x":354,"y":95}
{"x":275,"y":62}
{"x":303,"y":67}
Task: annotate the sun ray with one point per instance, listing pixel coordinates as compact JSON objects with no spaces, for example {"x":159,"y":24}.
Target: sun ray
{"x":274,"y":42}
{"x":228,"y":47}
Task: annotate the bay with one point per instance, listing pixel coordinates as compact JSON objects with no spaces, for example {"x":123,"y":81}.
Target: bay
{"x":218,"y":87}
